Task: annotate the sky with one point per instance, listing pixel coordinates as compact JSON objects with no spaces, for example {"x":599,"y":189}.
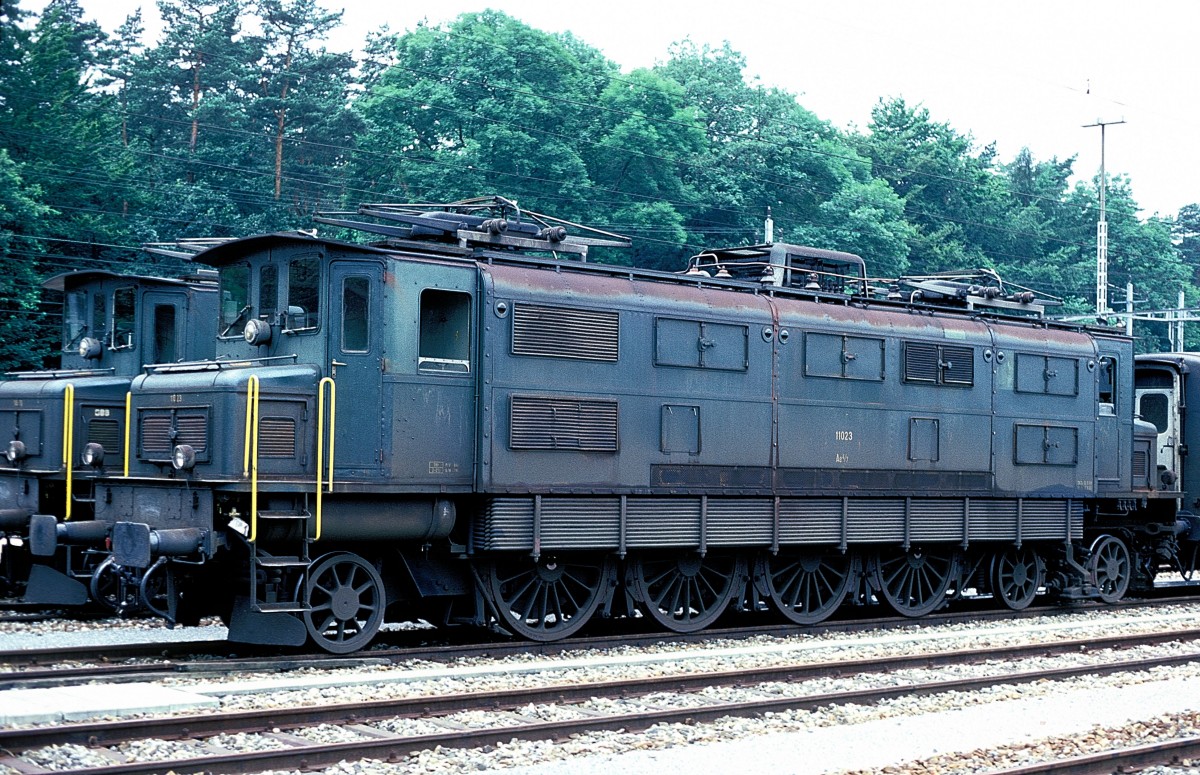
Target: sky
{"x":1017,"y":73}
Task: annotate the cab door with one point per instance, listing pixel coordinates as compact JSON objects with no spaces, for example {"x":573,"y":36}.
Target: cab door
{"x":164,"y":316}
{"x":1114,"y":414}
{"x":1158,"y":406}
{"x":355,"y":349}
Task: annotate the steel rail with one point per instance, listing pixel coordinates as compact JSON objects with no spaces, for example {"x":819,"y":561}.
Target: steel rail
{"x":264,"y":721}
{"x":443,"y":649}
{"x":1166,"y":753}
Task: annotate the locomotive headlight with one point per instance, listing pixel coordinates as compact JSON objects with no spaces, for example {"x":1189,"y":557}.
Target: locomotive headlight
{"x":93,"y":454}
{"x":257,"y":332}
{"x":15,"y":451}
{"x":183,"y":457}
{"x":90,"y":348}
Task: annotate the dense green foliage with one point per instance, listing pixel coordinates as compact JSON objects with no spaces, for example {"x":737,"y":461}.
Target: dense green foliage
{"x":238,"y":120}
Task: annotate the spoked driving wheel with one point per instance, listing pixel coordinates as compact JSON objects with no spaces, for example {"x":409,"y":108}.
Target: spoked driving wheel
{"x":549,"y":598}
{"x":807,"y":587}
{"x":346,"y":603}
{"x":914,"y":582}
{"x":1111,"y":567}
{"x":1016,"y":576}
{"x":685,"y":593}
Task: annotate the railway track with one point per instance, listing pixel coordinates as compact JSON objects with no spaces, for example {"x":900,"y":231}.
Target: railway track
{"x":388,"y":729}
{"x":27,"y":667}
{"x":1169,"y":753}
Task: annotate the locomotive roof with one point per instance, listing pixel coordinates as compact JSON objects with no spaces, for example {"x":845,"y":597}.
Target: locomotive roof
{"x":59,"y":282}
{"x":233,"y":250}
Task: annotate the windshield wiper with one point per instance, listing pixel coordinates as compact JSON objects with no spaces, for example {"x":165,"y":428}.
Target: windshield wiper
{"x":237,"y":319}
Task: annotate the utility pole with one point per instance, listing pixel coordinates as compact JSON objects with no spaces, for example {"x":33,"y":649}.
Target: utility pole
{"x":1102,"y":229}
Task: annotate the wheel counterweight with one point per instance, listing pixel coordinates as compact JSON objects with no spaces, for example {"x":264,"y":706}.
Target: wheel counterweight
{"x":914,"y":582}
{"x":685,"y":593}
{"x":550,"y":598}
{"x":807,"y":587}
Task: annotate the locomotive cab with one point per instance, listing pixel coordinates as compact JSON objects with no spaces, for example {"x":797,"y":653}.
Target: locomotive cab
{"x":1165,"y":385}
{"x":63,"y":428}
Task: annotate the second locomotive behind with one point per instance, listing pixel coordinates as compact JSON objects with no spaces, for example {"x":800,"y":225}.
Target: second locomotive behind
{"x":446,"y":425}
{"x":61,"y":429}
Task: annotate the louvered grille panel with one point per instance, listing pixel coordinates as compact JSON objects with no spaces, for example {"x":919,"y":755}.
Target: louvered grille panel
{"x":1141,"y":465}
{"x":581,"y":523}
{"x":920,"y":362}
{"x":1044,"y":519}
{"x":663,"y":522}
{"x":156,"y":434}
{"x":277,"y":437}
{"x":937,"y":520}
{"x":190,"y":427}
{"x":875,"y":520}
{"x":561,"y":332}
{"x":993,"y":520}
{"x":959,"y":366}
{"x":818,"y":520}
{"x":106,"y":433}
{"x":193,"y":430}
{"x":538,"y":422}
{"x":506,"y":524}
{"x":738,"y":521}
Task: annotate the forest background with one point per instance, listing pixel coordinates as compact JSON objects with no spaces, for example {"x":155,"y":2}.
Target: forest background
{"x":238,"y":120}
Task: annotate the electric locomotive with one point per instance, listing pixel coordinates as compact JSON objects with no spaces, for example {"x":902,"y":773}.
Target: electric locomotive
{"x":62,"y":428}
{"x":451,"y":426}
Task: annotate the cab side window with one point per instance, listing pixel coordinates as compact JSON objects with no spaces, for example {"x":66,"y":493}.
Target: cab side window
{"x":304,"y":295}
{"x":164,"y":334}
{"x":123,"y":319}
{"x":445,"y":343}
{"x":268,"y":290}
{"x":356,"y":314}
{"x":1107,"y":393}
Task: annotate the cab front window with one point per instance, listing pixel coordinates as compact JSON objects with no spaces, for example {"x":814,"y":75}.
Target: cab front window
{"x":303,"y":295}
{"x":123,"y":318}
{"x":235,"y":300}
{"x":75,"y":320}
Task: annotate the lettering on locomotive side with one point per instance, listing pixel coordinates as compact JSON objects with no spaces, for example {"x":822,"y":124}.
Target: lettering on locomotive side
{"x":101,"y":412}
{"x":843,"y":435}
{"x":18,"y":402}
{"x":442,"y":467}
{"x":841,"y":458}
{"x":176,"y":398}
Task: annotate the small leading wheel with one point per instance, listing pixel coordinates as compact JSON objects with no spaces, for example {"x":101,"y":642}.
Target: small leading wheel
{"x":807,"y":587}
{"x":1111,"y":567}
{"x":1016,"y":576}
{"x":685,"y":593}
{"x":550,"y":598}
{"x":346,"y":603}
{"x":914,"y":582}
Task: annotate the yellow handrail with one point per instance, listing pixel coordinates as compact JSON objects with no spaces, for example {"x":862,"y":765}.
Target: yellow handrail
{"x":250,"y":455}
{"x":69,"y":441}
{"x":128,"y":404}
{"x":321,"y":439}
